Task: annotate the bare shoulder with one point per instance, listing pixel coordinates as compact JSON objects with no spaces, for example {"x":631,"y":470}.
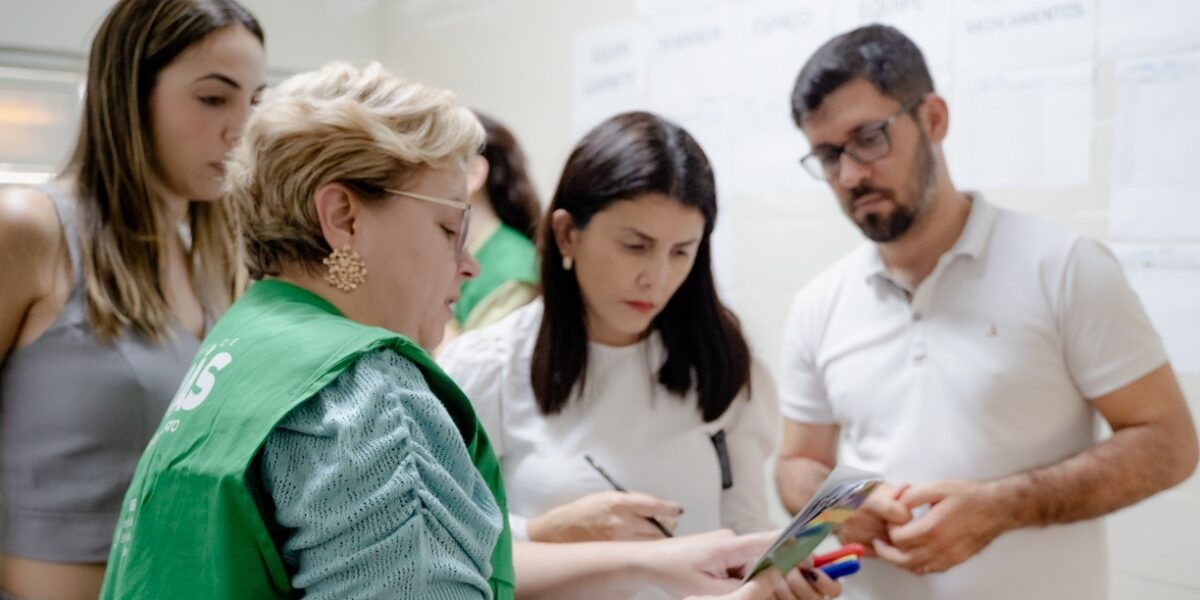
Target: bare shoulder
{"x":27,"y":215}
{"x":30,"y":244}
{"x":30,"y":235}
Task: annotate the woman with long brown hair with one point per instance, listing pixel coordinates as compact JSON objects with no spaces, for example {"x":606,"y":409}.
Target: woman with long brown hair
{"x":111,"y":274}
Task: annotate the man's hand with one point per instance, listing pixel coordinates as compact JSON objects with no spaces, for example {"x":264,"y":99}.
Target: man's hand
{"x":963,"y":518}
{"x":880,"y":512}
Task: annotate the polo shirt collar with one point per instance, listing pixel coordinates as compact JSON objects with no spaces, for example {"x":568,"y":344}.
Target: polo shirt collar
{"x":971,"y":242}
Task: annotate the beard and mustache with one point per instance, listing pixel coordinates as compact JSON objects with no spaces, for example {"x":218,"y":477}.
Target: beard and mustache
{"x":890,"y":227}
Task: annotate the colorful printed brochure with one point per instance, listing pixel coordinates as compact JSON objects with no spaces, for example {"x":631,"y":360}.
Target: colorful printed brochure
{"x":842,"y":493}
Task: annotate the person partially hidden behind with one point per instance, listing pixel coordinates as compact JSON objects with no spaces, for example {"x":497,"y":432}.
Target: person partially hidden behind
{"x":505,"y":212}
{"x":967,"y":351}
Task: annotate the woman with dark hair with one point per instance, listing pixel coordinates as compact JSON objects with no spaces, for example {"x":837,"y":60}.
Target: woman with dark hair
{"x":111,"y":274}
{"x":505,"y":212}
{"x":629,"y":361}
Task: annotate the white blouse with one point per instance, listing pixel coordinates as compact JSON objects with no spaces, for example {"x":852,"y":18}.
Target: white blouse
{"x":647,"y":438}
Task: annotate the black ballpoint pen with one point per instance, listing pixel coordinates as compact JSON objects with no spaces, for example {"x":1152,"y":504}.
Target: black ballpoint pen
{"x":621,"y":488}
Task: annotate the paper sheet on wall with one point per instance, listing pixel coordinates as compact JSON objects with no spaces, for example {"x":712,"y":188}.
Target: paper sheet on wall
{"x":767,"y":147}
{"x":609,"y":74}
{"x":992,"y":36}
{"x":690,"y":66}
{"x":1023,"y":129}
{"x":771,"y":40}
{"x":689,"y":57}
{"x":709,"y":122}
{"x":1129,"y":27}
{"x":926,"y":22}
{"x":1156,"y":185}
{"x":1167,"y":279}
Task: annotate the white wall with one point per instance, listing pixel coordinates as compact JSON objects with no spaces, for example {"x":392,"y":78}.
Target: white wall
{"x":513,"y":58}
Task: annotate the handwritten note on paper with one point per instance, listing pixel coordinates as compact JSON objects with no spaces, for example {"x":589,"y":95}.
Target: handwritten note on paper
{"x":1167,"y":280}
{"x":1026,"y":128}
{"x":609,"y":74}
{"x":994,"y":35}
{"x":1131,"y":27}
{"x":1155,"y":130}
{"x":927,"y":22}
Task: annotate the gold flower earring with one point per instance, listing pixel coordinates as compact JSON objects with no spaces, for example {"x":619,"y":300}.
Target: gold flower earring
{"x":347,"y":270}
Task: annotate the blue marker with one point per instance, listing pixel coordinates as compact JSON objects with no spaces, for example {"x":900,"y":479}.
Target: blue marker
{"x":841,"y":568}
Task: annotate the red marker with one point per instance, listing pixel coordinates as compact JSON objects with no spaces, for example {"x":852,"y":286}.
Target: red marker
{"x":855,"y":550}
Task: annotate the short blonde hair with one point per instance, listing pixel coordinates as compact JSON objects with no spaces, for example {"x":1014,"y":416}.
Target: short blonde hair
{"x":363,"y":127}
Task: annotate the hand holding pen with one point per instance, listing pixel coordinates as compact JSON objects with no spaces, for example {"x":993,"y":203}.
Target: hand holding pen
{"x":620,"y":488}
{"x":606,"y":516}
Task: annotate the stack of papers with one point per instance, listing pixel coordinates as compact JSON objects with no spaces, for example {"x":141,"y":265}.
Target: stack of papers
{"x":842,"y":493}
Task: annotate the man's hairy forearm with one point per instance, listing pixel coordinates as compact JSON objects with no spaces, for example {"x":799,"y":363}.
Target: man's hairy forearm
{"x":798,"y":479}
{"x":1134,"y":463}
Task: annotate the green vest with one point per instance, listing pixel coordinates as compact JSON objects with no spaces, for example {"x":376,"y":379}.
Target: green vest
{"x":505,"y":255}
{"x":189,"y":527}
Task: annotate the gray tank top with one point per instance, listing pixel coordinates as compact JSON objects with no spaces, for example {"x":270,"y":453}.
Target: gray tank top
{"x":75,"y":415}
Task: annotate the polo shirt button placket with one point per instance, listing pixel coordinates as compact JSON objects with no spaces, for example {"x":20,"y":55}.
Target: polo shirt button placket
{"x":918,"y":339}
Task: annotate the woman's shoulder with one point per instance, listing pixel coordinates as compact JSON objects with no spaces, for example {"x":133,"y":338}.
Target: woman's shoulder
{"x":508,"y":339}
{"x":27,"y":217}
{"x":491,"y":365}
{"x":387,"y":370}
{"x":511,"y":254}
{"x":758,"y":397}
{"x":352,"y":399}
{"x":31,"y":240}
{"x":513,"y":240}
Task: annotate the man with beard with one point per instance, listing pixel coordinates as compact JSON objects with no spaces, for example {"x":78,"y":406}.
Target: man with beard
{"x":965,"y":355}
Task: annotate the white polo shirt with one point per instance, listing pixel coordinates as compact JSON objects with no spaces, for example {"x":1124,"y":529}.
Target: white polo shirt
{"x":985,"y":373}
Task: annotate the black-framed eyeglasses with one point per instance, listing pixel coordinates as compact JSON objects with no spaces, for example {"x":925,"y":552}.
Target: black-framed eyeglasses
{"x":460,"y":244}
{"x":866,"y":145}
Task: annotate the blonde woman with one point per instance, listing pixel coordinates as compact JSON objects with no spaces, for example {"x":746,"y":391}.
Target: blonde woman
{"x":110,"y":277}
{"x":314,"y":447}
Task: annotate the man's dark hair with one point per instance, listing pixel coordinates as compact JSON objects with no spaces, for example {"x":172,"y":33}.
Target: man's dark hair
{"x":877,"y":53}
